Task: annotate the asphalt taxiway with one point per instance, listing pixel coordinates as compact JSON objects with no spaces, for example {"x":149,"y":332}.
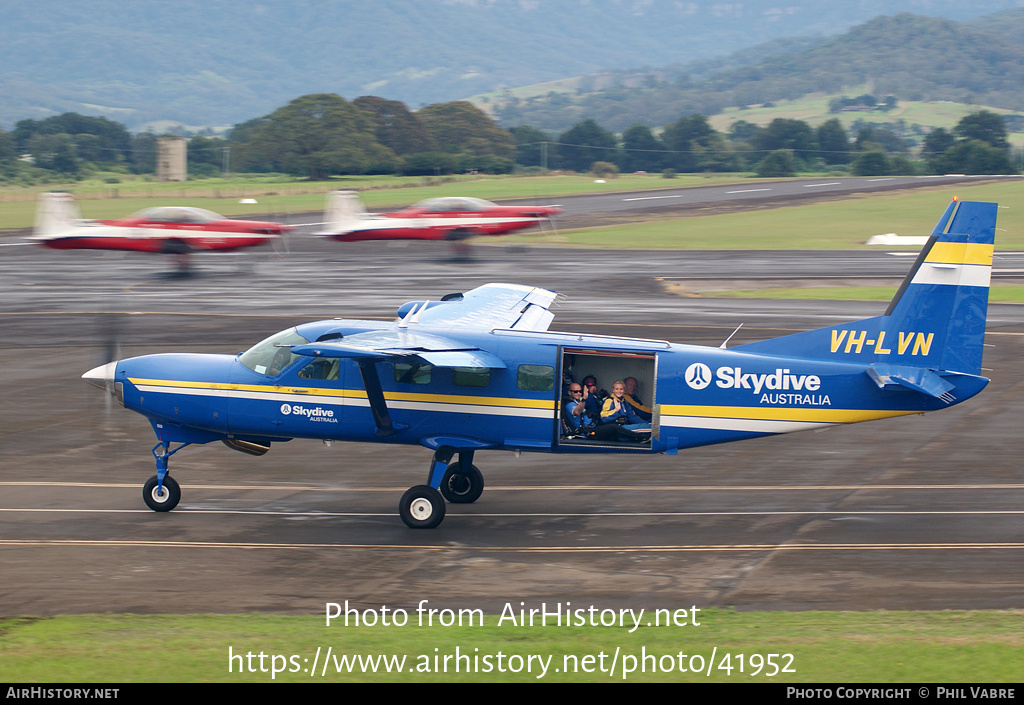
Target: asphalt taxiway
{"x":921,"y":512}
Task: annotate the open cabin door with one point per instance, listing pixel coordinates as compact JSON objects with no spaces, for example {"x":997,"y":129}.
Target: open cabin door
{"x":608,"y":367}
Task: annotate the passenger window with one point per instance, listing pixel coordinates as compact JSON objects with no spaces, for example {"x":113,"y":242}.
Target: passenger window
{"x":471,"y":376}
{"x":412,"y":373}
{"x":535,"y":378}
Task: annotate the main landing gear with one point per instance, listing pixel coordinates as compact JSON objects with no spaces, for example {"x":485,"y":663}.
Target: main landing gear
{"x":161,"y":493}
{"x":423,"y":506}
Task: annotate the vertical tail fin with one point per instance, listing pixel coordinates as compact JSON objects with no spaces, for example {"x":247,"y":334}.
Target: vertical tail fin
{"x":946,"y":291}
{"x":343,"y":212}
{"x":936,"y":321}
{"x":55,"y":213}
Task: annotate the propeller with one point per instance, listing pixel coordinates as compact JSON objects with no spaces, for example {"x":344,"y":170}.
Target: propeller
{"x":551,"y":225}
{"x":102,"y":376}
{"x":280,"y":244}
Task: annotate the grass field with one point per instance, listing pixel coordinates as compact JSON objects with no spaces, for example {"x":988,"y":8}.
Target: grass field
{"x":278,"y":195}
{"x":823,"y":647}
{"x":829,"y":225}
{"x":844,"y":224}
{"x":997,"y":294}
{"x":814,"y":110}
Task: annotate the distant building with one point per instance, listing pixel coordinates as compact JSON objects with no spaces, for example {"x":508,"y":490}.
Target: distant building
{"x":171,"y":159}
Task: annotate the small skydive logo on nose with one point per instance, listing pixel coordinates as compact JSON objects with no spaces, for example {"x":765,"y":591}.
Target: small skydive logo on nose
{"x":286,"y":409}
{"x":698,"y":375}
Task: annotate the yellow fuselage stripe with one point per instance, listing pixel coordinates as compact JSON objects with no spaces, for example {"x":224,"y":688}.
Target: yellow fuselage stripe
{"x":352,"y":393}
{"x":783,"y":414}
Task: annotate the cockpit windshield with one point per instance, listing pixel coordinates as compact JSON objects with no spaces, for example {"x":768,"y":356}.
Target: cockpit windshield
{"x":274,"y":354}
{"x":453,"y":204}
{"x":178,"y":214}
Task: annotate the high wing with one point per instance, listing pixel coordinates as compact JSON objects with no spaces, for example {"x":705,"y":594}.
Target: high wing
{"x":417,"y":334}
{"x":383,"y":344}
{"x":486,"y":308}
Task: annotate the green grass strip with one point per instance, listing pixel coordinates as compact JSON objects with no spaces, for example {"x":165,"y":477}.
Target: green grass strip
{"x":830,"y":225}
{"x":846,"y":647}
{"x":998,"y":294}
{"x":278,"y":195}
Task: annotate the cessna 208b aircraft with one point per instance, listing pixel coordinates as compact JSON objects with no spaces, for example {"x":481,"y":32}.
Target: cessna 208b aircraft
{"x":481,"y":371}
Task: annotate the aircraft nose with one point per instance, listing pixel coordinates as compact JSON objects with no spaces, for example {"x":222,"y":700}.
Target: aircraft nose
{"x":102,"y":376}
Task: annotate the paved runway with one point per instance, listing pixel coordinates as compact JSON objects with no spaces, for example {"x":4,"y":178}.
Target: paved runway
{"x":909,"y":513}
{"x":583,"y":211}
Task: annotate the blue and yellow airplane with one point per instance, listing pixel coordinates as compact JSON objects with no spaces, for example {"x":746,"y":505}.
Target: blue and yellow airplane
{"x":481,"y":371}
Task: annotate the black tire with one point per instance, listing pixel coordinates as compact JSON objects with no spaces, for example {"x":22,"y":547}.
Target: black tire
{"x":175,"y":247}
{"x":462,"y":488}
{"x":422,"y":507}
{"x":167,"y":500}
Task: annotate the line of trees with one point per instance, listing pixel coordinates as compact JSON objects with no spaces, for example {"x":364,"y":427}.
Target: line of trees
{"x":321,"y":135}
{"x":977,"y":145}
{"x":71,"y":145}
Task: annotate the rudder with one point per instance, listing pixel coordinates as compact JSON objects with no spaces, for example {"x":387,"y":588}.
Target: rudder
{"x":344,"y":211}
{"x":56,"y":211}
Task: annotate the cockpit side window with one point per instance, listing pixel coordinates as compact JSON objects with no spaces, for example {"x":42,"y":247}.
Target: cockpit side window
{"x":274,"y":354}
{"x":323,"y":368}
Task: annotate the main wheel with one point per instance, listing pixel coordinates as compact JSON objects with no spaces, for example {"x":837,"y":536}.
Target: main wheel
{"x":422,"y":507}
{"x":164,"y":500}
{"x":462,"y":488}
{"x":175,"y":246}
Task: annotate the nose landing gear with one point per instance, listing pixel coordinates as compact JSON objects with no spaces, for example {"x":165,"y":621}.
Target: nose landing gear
{"x":161,"y":492}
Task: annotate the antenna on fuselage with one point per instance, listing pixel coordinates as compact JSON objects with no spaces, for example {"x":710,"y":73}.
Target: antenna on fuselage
{"x":413,"y":316}
{"x":722,"y":346}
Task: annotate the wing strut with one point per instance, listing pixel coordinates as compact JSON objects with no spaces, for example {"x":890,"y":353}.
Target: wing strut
{"x":375,"y":394}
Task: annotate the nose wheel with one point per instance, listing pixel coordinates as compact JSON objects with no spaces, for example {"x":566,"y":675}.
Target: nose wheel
{"x":161,"y":492}
{"x":422,"y":507}
{"x":161,"y":499}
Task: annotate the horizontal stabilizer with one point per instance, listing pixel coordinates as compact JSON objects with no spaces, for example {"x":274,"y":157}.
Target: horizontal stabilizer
{"x":917,"y":379}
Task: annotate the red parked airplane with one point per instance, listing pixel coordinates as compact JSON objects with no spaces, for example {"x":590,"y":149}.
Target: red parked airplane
{"x":447,"y":218}
{"x":166,"y":229}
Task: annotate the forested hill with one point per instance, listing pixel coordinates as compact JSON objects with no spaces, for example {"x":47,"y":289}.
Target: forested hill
{"x":203,"y":63}
{"x":909,"y":56}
